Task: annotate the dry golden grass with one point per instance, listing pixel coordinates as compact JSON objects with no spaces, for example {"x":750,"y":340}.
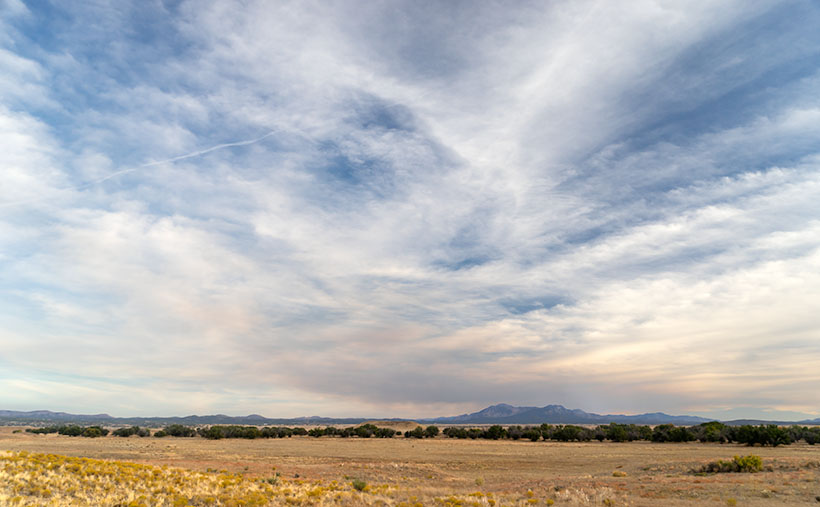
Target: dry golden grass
{"x":50,"y":479}
{"x":441,"y":471}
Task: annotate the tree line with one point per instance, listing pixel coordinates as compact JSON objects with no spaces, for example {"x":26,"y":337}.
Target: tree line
{"x":218,"y":431}
{"x":72,"y":430}
{"x":764,"y":434}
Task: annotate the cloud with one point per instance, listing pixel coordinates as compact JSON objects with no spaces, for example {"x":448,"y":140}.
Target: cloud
{"x":410,"y":211}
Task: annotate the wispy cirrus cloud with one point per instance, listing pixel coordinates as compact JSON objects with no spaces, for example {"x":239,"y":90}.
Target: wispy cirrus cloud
{"x":415,"y":210}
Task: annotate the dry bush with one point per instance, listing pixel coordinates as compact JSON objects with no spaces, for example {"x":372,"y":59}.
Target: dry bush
{"x":750,"y":464}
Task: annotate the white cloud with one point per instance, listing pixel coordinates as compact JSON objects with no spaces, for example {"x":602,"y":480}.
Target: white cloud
{"x":453,"y":207}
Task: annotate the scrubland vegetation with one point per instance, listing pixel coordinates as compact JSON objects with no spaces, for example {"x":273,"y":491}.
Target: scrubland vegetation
{"x":72,"y":430}
{"x":133,"y":430}
{"x":363,"y":431}
{"x":764,"y":435}
{"x":769,"y":434}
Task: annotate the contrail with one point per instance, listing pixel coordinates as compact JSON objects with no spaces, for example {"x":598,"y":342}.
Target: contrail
{"x":148,"y":164}
{"x":180,"y":157}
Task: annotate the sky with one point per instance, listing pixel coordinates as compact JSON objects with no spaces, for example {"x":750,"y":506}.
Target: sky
{"x":410,"y":209}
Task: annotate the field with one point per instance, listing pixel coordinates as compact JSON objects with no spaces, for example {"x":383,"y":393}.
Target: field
{"x":440,"y":471}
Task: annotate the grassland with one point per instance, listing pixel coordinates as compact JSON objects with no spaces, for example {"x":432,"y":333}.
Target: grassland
{"x":149,"y":471}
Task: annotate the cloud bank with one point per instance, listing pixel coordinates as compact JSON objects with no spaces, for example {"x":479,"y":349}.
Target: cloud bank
{"x":410,"y":209}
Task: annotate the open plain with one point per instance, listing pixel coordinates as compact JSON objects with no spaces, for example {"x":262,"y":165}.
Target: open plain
{"x":469,"y":472}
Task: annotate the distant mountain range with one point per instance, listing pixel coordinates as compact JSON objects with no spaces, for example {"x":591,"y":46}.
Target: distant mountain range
{"x":557,"y":414}
{"x":496,"y":414}
{"x":40,"y":416}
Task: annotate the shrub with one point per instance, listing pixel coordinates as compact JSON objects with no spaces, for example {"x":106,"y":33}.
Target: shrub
{"x":765,"y":434}
{"x":178,"y":430}
{"x":534,"y":434}
{"x":454,"y":432}
{"x":672,"y":433}
{"x":386,"y":433}
{"x":644,"y":433}
{"x":123,"y":432}
{"x":72,"y":430}
{"x":496,"y":432}
{"x":546,"y":431}
{"x":133,"y":430}
{"x":747,"y":464}
{"x":212,"y":433}
{"x":570,"y":432}
{"x":795,"y":432}
{"x":275,"y":432}
{"x":682,"y":435}
{"x":417,"y":432}
{"x":431,"y":431}
{"x":42,"y":431}
{"x":750,"y":463}
{"x":94,"y":432}
{"x":515,"y":432}
{"x":366,"y":430}
{"x":811,"y":435}
{"x":274,"y":480}
{"x":218,"y":431}
{"x":617,"y":432}
{"x":661,"y":432}
{"x":358,"y":484}
{"x":712,"y":431}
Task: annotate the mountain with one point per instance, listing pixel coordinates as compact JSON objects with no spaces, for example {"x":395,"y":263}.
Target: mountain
{"x":48,"y":415}
{"x":500,"y":411}
{"x":557,"y":414}
{"x":39,"y":417}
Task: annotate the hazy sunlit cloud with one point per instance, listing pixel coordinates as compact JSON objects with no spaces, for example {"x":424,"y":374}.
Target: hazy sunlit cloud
{"x":417,"y":210}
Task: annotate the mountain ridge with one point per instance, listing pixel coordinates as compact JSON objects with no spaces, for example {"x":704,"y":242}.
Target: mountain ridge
{"x":501,"y":413}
